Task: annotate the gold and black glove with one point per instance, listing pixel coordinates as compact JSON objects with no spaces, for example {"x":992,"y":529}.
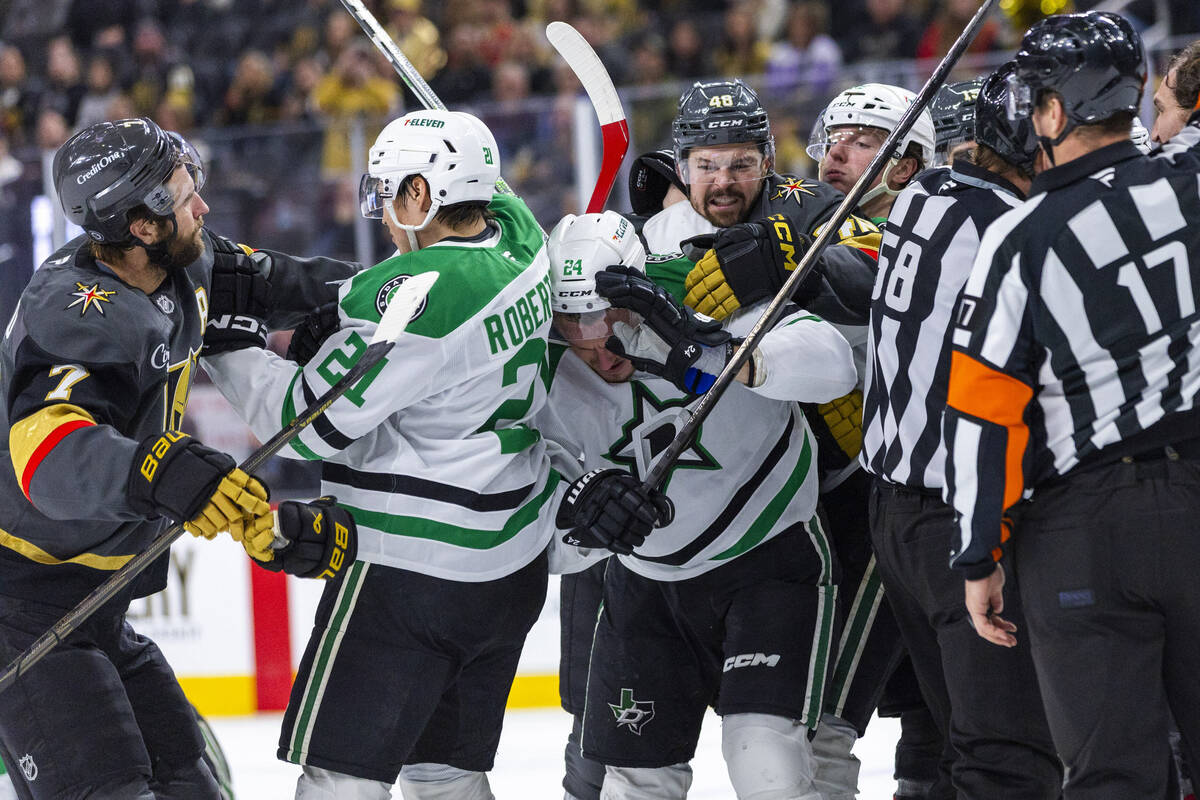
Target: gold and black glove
{"x":321,"y":539}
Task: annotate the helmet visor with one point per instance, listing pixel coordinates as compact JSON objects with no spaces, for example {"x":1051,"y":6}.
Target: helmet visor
{"x":1018,"y":99}
{"x":743,"y":164}
{"x":592,"y":327}
{"x":373,"y":194}
{"x":189,"y":157}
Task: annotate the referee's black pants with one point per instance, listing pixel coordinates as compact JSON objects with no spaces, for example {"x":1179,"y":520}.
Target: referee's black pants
{"x":1109,"y":566}
{"x":983,"y":697}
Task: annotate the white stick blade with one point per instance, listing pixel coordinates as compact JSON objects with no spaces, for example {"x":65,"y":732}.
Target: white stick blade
{"x":584,"y":62}
{"x":401,"y":306}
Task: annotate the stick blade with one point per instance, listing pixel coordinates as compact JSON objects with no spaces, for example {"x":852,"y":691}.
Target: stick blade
{"x":402,"y":306}
{"x":583,"y":60}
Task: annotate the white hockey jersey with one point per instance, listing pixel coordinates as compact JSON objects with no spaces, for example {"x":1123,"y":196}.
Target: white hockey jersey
{"x":665,"y":230}
{"x":432,"y":451}
{"x":751,"y":472}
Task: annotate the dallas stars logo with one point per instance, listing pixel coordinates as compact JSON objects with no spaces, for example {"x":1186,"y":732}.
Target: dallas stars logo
{"x":791,"y":188}
{"x":91,"y":297}
{"x":651,"y":430}
{"x":632,"y":714}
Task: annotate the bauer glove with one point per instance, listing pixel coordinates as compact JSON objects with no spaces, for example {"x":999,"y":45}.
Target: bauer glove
{"x":238,"y":301}
{"x":321,"y":540}
{"x":175,"y":476}
{"x":673,"y":342}
{"x":608,"y":508}
{"x":743,"y":264}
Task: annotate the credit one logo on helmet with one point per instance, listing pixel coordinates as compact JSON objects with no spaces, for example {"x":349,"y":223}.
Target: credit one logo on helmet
{"x":425,"y":122}
{"x":99,"y":165}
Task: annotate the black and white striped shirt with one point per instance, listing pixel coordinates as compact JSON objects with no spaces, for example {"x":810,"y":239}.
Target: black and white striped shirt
{"x":929,"y":243}
{"x":1077,"y":337}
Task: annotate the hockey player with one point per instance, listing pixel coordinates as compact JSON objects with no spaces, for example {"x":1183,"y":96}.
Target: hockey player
{"x":1073,"y":384}
{"x":845,"y":139}
{"x":953,"y":114}
{"x":984,"y":699}
{"x":95,"y":370}
{"x":730,"y":604}
{"x":413,"y":653}
{"x":1178,"y":95}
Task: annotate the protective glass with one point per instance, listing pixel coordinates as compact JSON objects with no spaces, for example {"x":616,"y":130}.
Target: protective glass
{"x":373,"y":194}
{"x":710,"y":165}
{"x":1018,"y":99}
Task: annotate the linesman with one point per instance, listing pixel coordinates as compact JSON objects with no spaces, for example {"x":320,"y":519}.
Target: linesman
{"x":1071,"y":422}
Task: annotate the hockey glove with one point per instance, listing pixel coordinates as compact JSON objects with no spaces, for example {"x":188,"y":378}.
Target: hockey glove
{"x":175,"y":476}
{"x":322,"y":540}
{"x":312,"y":333}
{"x":744,"y":264}
{"x":238,"y":301}
{"x":672,"y":341}
{"x":608,"y":508}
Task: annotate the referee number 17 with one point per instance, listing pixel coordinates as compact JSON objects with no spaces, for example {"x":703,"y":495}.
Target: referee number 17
{"x":1130,"y":277}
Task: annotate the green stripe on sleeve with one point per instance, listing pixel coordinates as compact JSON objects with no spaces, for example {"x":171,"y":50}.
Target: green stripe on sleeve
{"x":289,"y":414}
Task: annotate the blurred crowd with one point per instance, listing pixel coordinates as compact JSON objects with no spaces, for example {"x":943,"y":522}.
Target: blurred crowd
{"x":67,"y":63}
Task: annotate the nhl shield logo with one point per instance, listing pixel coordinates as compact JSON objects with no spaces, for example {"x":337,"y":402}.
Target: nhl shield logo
{"x":385,"y":294}
{"x":28,"y":768}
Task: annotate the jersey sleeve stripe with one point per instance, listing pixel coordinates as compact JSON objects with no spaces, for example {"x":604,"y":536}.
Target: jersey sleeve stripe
{"x":289,"y":414}
{"x":323,"y":427}
{"x":987,"y":394}
{"x":420,"y":487}
{"x":31,"y":439}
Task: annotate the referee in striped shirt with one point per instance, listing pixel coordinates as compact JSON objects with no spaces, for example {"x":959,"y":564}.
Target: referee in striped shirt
{"x":983,"y":698}
{"x":1073,"y":384}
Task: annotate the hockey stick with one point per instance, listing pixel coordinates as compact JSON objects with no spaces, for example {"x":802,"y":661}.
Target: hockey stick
{"x":584,"y":62}
{"x":774,"y":311}
{"x":404,"y":68}
{"x":403,"y":302}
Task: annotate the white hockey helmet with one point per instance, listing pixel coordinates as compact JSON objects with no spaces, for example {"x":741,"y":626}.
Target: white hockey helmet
{"x":452,"y":150}
{"x":876,"y":105}
{"x":579,"y":247}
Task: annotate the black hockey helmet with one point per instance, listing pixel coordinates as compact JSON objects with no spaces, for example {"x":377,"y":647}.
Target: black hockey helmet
{"x":1012,"y":140}
{"x":1095,"y":61}
{"x":651,"y":176}
{"x":720,"y":112}
{"x":953,"y":112}
{"x":110,"y":168}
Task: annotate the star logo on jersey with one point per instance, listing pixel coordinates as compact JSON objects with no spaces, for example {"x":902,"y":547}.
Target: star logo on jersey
{"x":792,"y":188}
{"x":384,"y":296}
{"x":632,"y":714}
{"x":91,"y":297}
{"x":651,"y":431}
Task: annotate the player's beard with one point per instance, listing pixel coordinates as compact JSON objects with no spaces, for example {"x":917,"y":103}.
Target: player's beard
{"x":181,"y":252}
{"x":715,"y":205}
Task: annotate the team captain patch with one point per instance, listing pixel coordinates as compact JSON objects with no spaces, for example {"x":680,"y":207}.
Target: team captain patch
{"x":385,"y":294}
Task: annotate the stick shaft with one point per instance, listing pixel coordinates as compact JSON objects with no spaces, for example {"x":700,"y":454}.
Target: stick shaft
{"x":775,"y":310}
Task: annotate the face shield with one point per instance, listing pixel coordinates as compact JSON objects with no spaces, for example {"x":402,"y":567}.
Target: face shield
{"x":866,"y":138}
{"x":1018,"y":99}
{"x":373,"y":195}
{"x":591,"y":329}
{"x":187,"y":155}
{"x":707,"y":165}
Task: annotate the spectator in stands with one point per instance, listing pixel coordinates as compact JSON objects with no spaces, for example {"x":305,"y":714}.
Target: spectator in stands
{"x":151,"y":63}
{"x":51,"y":131}
{"x":416,"y":35}
{"x":18,"y":96}
{"x":101,"y":90}
{"x":354,"y":88}
{"x":948,"y":23}
{"x":886,"y":32}
{"x":101,"y":23}
{"x":464,"y":77}
{"x":741,"y":51}
{"x":64,"y":87}
{"x":301,"y":84}
{"x":807,"y":55}
{"x":647,"y":59}
{"x":1178,"y":95}
{"x":254,"y":96}
{"x":687,"y":54}
{"x":340,"y":31}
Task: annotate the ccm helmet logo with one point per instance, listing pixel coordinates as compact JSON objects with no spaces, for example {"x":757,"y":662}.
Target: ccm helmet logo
{"x":750,"y":660}
{"x":425,"y":122}
{"x":99,"y":165}
{"x":725,"y":123}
